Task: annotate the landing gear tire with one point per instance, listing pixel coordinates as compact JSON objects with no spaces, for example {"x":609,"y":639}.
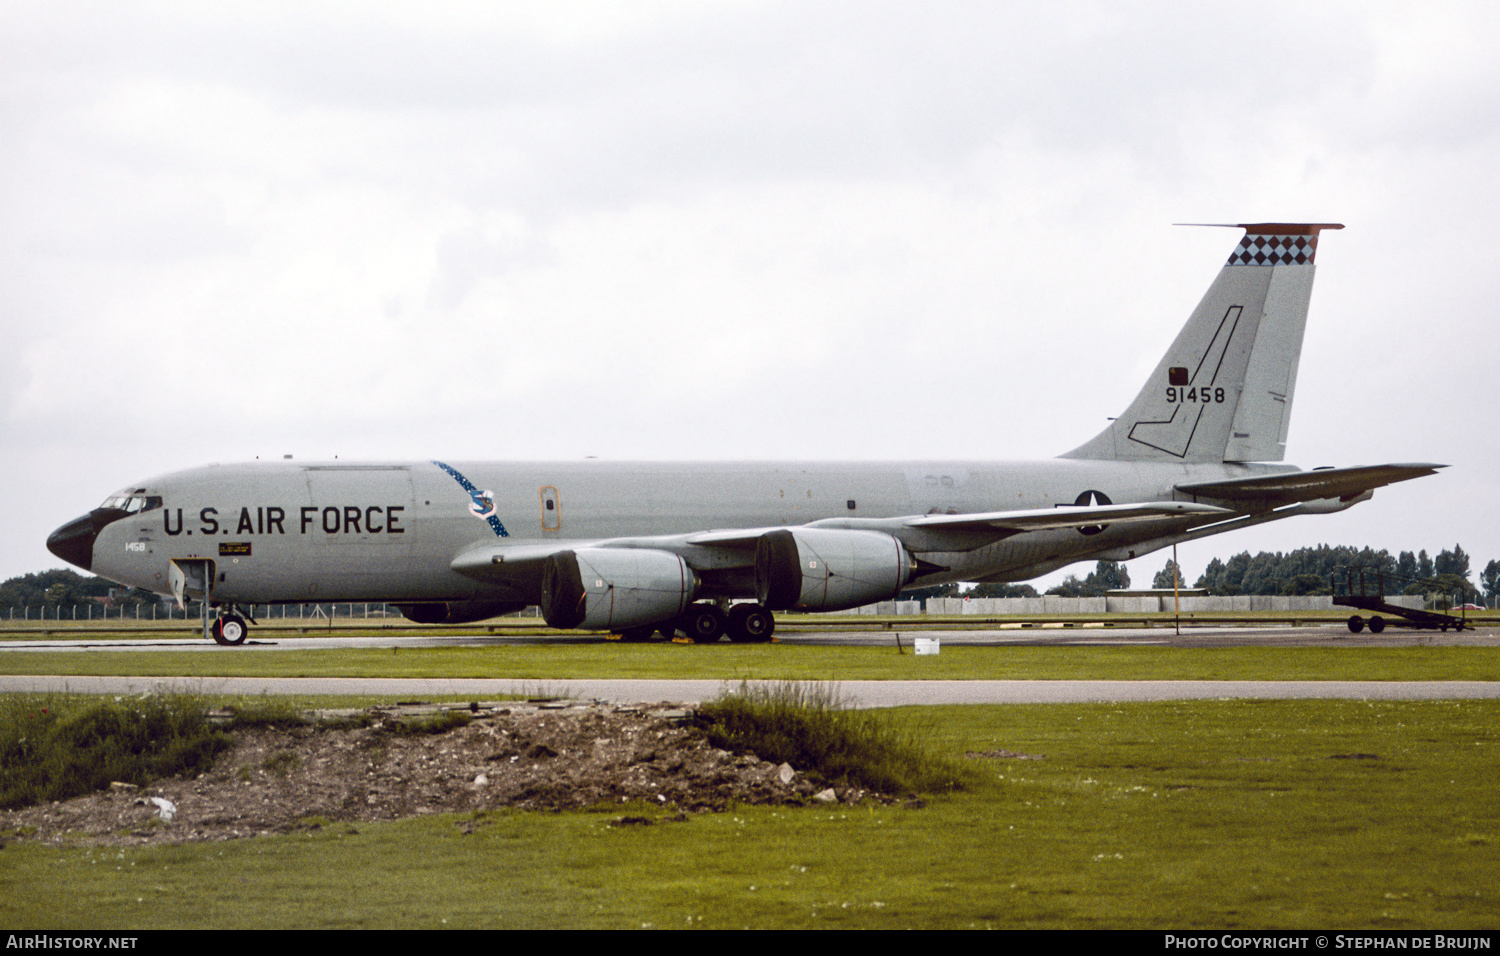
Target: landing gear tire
{"x":1356,"y":624}
{"x":230,"y":630}
{"x":750,"y":624}
{"x":703,"y":624}
{"x":1377,"y":624}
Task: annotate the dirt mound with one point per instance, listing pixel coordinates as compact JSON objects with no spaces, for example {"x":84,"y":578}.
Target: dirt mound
{"x":528,"y":756}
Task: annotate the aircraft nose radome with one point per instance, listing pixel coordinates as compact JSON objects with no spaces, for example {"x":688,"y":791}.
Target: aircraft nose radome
{"x":74,"y":542}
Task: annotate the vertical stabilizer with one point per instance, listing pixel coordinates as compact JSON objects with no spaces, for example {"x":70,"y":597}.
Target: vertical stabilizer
{"x":1223,"y":391}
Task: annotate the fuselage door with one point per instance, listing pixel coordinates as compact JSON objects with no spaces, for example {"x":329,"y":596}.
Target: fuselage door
{"x":551,"y":509}
{"x":190,"y":577}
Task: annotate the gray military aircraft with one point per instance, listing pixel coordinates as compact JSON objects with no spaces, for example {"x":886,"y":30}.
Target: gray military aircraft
{"x":716,"y":547}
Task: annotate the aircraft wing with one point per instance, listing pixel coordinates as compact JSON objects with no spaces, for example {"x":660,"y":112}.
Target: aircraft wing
{"x":964,"y":532}
{"x":521,"y":564}
{"x":1320,"y":483}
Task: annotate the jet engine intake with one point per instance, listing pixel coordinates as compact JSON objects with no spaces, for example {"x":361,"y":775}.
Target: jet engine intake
{"x":615,"y":588}
{"x":828,"y":569}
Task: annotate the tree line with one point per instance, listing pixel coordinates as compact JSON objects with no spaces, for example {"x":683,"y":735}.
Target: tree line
{"x":1302,"y":571}
{"x":60,"y":588}
{"x":1310,"y":571}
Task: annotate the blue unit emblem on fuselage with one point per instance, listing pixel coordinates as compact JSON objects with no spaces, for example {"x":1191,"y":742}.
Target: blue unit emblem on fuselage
{"x":481,"y":503}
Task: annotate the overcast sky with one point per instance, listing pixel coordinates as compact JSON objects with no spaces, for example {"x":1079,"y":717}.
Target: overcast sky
{"x":730,"y":230}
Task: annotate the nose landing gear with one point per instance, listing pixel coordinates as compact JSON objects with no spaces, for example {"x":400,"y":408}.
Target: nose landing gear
{"x":229,"y":629}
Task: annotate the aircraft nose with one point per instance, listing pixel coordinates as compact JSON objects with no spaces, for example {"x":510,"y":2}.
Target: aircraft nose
{"x":74,"y":542}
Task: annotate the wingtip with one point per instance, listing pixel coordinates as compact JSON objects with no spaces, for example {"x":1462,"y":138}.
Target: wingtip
{"x":1416,"y":465}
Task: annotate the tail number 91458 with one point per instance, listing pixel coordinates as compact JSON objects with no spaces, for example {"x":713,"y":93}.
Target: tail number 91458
{"x":1203,"y":396}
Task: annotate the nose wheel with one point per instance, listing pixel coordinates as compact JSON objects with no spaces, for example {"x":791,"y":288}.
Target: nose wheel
{"x":229,"y":628}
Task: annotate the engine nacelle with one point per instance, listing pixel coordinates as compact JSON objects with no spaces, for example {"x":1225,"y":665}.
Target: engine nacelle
{"x":828,"y":569}
{"x":457,"y":612}
{"x":615,"y":588}
{"x":1328,"y":506}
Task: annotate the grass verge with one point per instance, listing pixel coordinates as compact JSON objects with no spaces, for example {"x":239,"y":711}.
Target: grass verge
{"x":54,"y":747}
{"x":57,"y":746}
{"x":806,"y":726}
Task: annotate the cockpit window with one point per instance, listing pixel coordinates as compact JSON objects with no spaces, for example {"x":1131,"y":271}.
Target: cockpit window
{"x":131,"y":504}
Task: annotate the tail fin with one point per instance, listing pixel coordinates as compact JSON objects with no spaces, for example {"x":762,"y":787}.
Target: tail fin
{"x":1223,"y":391}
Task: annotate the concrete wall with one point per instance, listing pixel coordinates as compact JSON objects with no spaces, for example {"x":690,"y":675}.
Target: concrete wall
{"x":1051,"y":604}
{"x":891,"y":608}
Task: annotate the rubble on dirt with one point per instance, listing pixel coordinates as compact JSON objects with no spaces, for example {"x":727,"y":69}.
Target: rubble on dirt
{"x":408,"y":761}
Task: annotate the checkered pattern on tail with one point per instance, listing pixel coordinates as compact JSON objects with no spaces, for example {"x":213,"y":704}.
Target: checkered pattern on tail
{"x":1264,"y":249}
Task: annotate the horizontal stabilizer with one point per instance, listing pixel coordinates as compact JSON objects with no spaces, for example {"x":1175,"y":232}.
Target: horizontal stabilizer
{"x":1308,"y":485}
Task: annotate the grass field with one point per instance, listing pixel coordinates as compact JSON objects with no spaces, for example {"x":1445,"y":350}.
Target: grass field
{"x":1212,"y":814}
{"x":1256,"y":814}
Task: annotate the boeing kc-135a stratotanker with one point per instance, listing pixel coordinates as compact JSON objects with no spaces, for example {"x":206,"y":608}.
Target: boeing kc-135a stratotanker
{"x":713,"y":547}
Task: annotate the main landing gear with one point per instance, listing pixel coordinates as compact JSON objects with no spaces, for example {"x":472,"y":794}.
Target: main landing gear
{"x":706,"y":623}
{"x":750,"y":624}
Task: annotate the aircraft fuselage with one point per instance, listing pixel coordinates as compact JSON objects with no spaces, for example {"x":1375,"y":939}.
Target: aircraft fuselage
{"x":286,"y":532}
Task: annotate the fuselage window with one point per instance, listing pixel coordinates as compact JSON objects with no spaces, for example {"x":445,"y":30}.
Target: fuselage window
{"x":551,"y":509}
